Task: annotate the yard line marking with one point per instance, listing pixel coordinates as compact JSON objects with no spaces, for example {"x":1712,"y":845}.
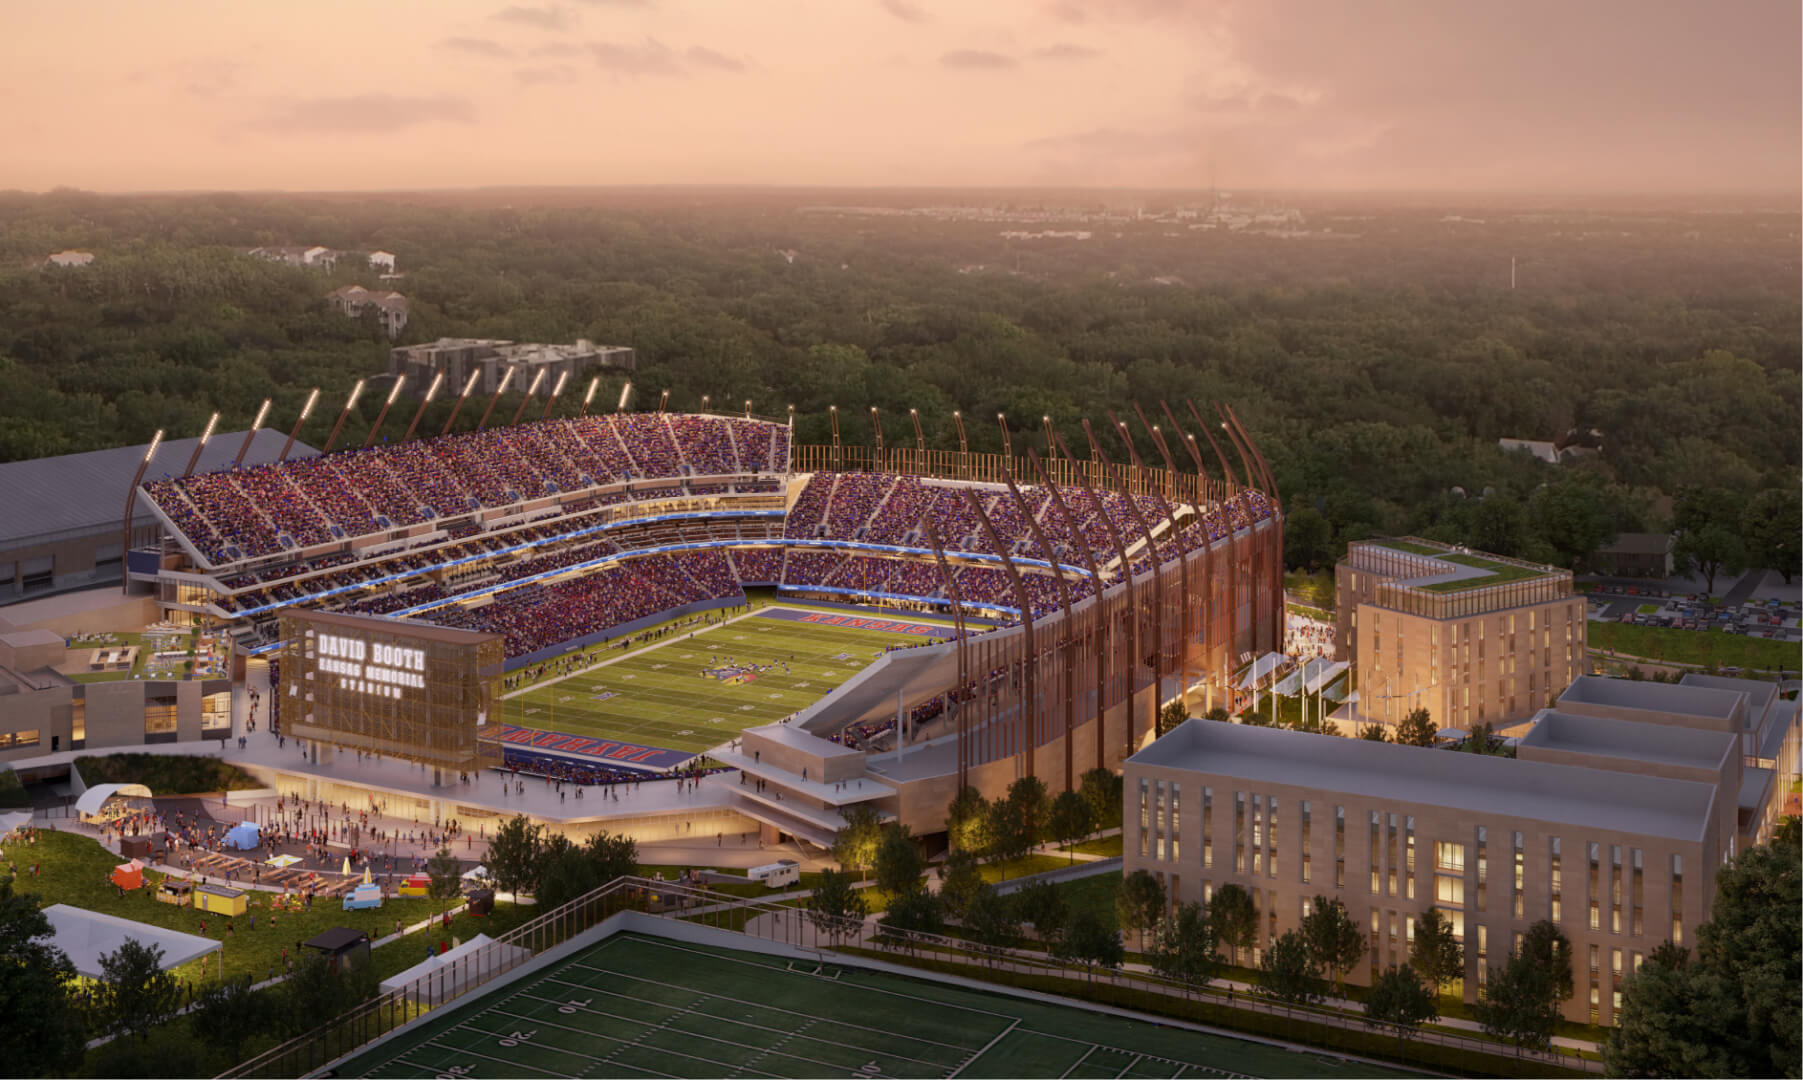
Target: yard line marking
{"x":1129,"y":1065}
{"x":1078,"y":1063}
{"x":496,"y":1060}
{"x":990,"y":1045}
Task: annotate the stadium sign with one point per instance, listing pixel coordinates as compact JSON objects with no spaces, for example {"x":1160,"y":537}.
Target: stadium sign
{"x":367,"y":667}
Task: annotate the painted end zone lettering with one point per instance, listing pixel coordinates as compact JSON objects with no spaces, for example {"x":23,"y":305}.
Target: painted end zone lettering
{"x":853,"y":622}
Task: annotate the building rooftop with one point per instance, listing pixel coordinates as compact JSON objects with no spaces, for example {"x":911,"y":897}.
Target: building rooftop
{"x":404,"y":627}
{"x":74,"y":493}
{"x":1564,"y":795}
{"x":1417,"y":566}
{"x":1604,"y":736}
{"x":1760,"y":692}
{"x":1681,"y":698}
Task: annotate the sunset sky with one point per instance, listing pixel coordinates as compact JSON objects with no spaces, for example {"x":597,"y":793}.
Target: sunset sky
{"x":1639,"y":95}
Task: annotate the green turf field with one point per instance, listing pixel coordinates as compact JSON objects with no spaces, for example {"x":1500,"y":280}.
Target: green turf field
{"x":661,"y":698}
{"x":634,"y":1005}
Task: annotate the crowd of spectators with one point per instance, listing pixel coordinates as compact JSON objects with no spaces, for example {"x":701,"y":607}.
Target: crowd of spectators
{"x":248,"y":513}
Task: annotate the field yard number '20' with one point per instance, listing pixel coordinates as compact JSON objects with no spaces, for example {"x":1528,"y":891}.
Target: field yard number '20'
{"x":455,"y":1072}
{"x":518,"y":1037}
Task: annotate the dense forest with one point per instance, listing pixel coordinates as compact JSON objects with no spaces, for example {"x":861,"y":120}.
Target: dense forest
{"x":1377,"y":352}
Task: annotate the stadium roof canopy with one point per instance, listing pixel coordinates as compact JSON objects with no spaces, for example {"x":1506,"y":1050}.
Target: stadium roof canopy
{"x":95,"y":797}
{"x":86,"y":936}
{"x":55,"y":497}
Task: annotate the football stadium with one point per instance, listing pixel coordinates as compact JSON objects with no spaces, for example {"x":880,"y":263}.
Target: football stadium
{"x":634,"y":595}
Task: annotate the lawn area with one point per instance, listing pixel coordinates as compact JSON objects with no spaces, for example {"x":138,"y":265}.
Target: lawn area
{"x":1413,"y":548}
{"x":1035,"y":863}
{"x":74,"y":869}
{"x":1315,"y":590}
{"x":1648,"y":609}
{"x":1106,"y":846}
{"x":1093,"y":893}
{"x":166,"y":774}
{"x":698,"y":691}
{"x":1693,"y":646}
{"x":1499,"y":574}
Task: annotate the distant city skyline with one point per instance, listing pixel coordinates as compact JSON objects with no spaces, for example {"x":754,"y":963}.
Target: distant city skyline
{"x":1405,"y":95}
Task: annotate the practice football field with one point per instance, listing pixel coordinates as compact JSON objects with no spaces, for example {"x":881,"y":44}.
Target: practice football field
{"x":663,"y":696}
{"x":635,"y":1005}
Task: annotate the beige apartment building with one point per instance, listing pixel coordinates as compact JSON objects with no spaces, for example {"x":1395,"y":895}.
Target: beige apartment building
{"x":1470,"y":637}
{"x":1610,"y":822}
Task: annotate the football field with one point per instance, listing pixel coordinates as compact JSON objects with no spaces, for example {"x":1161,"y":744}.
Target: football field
{"x":693,"y":692}
{"x":635,"y":1005}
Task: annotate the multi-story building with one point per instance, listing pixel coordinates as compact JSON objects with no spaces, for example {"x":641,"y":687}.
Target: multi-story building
{"x":391,"y":307}
{"x":1610,"y":822}
{"x":1472,"y":638}
{"x":457,"y":358}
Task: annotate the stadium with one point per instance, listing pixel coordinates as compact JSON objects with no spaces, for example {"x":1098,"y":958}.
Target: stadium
{"x":673,"y":592}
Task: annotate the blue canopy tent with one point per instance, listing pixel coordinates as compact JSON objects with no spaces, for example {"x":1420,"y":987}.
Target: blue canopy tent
{"x":243,"y":836}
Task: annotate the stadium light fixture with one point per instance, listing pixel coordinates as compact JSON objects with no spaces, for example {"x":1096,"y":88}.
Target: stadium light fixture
{"x":663,"y":400}
{"x":499,"y":390}
{"x":556,"y":392}
{"x":131,"y":502}
{"x":306,"y":410}
{"x":531,"y":391}
{"x":194,"y":458}
{"x":431,"y":392}
{"x":343,"y":414}
{"x":255,"y":426}
{"x":393,"y":392}
{"x":469,"y":384}
{"x":625,"y":393}
{"x":704,"y":400}
{"x":747,"y":408}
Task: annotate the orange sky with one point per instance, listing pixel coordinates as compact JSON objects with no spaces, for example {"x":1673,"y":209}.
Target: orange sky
{"x":1425,"y":94}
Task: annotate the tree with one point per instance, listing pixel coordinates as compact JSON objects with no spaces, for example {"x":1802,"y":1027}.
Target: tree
{"x":1010,"y":834}
{"x":1674,"y":1019}
{"x":1334,"y":940}
{"x":1307,"y":538}
{"x":1499,"y":525}
{"x":1770,"y":524}
{"x":1754,"y":942}
{"x":1043,"y":905}
{"x":959,"y":879}
{"x":1139,"y":902}
{"x":45,"y":1031}
{"x":834,"y":907}
{"x":916,"y":912}
{"x":316,"y":992}
{"x":1092,"y":942}
{"x":898,"y":862}
{"x":1032,"y":804}
{"x":447,"y":878}
{"x":1417,"y":728}
{"x":1184,"y":947}
{"x":1571,"y":514}
{"x":611,"y":856}
{"x":1234,"y":918}
{"x":856,"y":842}
{"x":965,"y":821}
{"x":136,"y":993}
{"x":1520,"y":1003}
{"x":1374,"y":732}
{"x":992,"y":919}
{"x":1435,"y":954}
{"x":1288,"y":972}
{"x":1708,"y":523}
{"x":1101,"y":789}
{"x":1218,"y":715}
{"x":1399,"y":998}
{"x":1170,"y":716}
{"x":563,"y":873}
{"x":1071,"y":820}
{"x":225,"y":1015}
{"x":513,"y":854}
{"x":1545,"y":945}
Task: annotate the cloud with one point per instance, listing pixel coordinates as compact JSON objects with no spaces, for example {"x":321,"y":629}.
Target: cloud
{"x":551,"y":17}
{"x":556,"y":74}
{"x":476,"y":46}
{"x":558,"y":48}
{"x":365,"y":114}
{"x":708,"y":58}
{"x":1064,"y":50}
{"x":905,"y":10}
{"x":976,"y":60}
{"x":1112,"y":141}
{"x":651,"y":58}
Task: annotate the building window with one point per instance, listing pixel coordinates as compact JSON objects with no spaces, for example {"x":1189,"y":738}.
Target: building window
{"x":14,"y":739}
{"x":1615,"y":888}
{"x":216,"y":715}
{"x":1145,"y":825}
{"x":1483,"y":959}
{"x":1637,"y":893}
{"x":1376,"y":853}
{"x":1555,"y":882}
{"x":1483,"y":867}
{"x":1258,"y":833}
{"x":1408,"y":875}
{"x":1339,"y":847}
{"x":1208,"y":828}
{"x":1271,"y":827}
{"x":1595,"y":888}
{"x":1449,"y":857}
{"x":1302,"y":841}
{"x":1677,"y":899}
{"x":1239,"y":832}
{"x":1449,"y":889}
{"x":1376,"y":942}
{"x":1158,"y":820}
{"x":1391,"y":859}
{"x":78,"y":724}
{"x":1176,"y":829}
{"x":159,"y":716}
{"x":1520,"y":868}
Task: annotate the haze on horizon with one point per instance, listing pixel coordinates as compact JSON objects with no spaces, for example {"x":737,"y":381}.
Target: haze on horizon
{"x":1542,"y":95}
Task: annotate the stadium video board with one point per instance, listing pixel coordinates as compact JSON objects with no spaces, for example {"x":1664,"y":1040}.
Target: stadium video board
{"x":387,"y":686}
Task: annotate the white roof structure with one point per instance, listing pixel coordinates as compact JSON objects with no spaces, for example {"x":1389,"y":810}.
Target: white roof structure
{"x":86,"y":936}
{"x":14,"y":819}
{"x":95,"y":797}
{"x":1261,"y":669}
{"x":444,"y":976}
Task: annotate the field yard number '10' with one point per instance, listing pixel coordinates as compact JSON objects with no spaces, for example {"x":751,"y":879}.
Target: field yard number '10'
{"x":574,"y":1005}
